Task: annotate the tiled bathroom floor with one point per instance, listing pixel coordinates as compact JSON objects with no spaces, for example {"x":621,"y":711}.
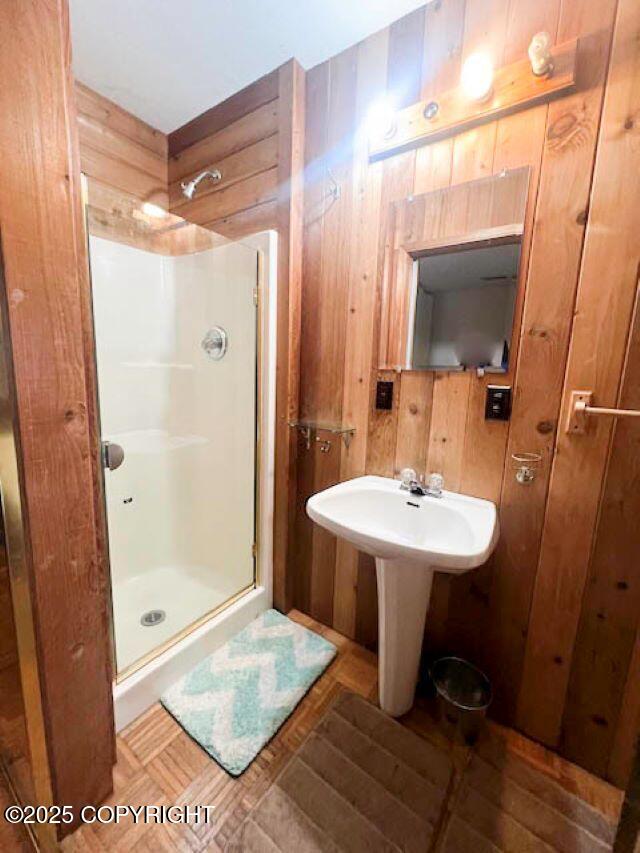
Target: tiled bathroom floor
{"x":507,"y":794}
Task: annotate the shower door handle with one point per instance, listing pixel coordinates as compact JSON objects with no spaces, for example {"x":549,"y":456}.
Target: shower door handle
{"x":112,"y":455}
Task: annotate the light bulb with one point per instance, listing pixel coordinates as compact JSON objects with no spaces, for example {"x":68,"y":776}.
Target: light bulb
{"x":477,"y":77}
{"x":381,"y":119}
{"x":540,"y":54}
{"x":153,"y":210}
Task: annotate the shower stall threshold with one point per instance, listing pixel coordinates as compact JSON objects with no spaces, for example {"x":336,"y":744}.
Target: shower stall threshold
{"x":140,"y":690}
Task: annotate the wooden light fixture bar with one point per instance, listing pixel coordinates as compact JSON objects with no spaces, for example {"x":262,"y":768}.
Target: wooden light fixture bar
{"x":515,"y":88}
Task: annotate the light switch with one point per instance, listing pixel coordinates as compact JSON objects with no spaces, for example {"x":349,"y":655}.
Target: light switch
{"x":498,"y":404}
{"x":384,"y":395}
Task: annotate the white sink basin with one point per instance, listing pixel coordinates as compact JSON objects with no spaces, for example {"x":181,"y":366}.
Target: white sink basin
{"x":410,"y":537}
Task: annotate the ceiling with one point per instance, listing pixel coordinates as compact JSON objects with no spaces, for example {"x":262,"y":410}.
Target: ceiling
{"x":462,"y":269}
{"x":167,"y":61}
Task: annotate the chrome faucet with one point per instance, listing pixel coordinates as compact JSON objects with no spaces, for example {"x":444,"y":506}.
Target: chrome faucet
{"x":416,"y":485}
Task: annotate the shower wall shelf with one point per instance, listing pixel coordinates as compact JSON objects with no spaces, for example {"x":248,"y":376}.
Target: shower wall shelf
{"x":310,"y":429}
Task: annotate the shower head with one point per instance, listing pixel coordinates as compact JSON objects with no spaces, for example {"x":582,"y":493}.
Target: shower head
{"x":189,"y":187}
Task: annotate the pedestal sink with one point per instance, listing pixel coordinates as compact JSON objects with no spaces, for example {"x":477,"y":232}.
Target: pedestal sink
{"x":410,"y":537}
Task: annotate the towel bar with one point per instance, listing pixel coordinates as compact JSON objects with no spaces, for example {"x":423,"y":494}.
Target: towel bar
{"x":580,"y":409}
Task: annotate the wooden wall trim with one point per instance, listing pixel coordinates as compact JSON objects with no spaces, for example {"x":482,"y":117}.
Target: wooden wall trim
{"x":291,"y":132}
{"x":44,"y":259}
{"x":606,"y":294}
{"x":235,"y":107}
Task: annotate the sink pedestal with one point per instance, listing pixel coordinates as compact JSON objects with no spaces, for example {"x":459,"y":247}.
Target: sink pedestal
{"x":404,"y":589}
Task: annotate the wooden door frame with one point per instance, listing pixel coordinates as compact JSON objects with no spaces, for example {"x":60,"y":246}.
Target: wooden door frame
{"x":63,"y":585}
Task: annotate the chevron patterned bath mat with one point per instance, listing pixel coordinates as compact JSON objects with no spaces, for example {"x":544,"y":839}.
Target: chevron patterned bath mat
{"x":237,"y":698}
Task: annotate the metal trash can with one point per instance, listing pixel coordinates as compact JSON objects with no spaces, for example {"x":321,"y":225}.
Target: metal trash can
{"x":464,"y":694}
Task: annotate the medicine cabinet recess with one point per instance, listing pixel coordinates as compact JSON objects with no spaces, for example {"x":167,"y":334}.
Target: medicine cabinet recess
{"x":451,"y":286}
{"x":462,"y":309}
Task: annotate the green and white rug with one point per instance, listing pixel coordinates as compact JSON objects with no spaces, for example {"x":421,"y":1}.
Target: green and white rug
{"x":237,"y":698}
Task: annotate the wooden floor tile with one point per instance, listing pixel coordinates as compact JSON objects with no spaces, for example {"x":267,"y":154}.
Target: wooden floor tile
{"x":159,"y":764}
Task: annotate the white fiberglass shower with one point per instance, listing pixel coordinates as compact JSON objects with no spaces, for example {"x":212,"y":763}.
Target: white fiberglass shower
{"x":177,"y":338}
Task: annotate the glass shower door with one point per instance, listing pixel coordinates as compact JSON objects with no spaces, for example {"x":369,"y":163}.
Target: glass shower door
{"x":176,"y":350}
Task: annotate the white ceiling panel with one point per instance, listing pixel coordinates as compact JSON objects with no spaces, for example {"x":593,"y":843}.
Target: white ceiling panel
{"x":167,"y":61}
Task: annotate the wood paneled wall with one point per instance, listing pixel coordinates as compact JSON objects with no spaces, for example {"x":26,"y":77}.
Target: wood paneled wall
{"x":584,"y":615}
{"x":256,"y":139}
{"x":118,"y":149}
{"x":437,"y":420}
{"x":240,"y":138}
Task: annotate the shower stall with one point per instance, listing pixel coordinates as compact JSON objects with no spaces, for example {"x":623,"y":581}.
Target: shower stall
{"x":183,"y":343}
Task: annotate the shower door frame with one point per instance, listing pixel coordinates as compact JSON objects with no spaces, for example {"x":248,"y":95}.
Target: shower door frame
{"x":264,"y":329}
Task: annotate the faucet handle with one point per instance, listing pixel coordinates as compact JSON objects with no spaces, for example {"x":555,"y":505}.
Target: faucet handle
{"x":435,"y":482}
{"x":408,"y":476}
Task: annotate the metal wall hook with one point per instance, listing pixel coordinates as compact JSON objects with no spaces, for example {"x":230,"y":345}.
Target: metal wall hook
{"x":325,"y":444}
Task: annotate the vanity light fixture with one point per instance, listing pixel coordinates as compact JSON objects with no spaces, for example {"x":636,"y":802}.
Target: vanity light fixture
{"x":540,"y":55}
{"x":431,"y":110}
{"x":153,"y":210}
{"x":477,"y":77}
{"x":381,"y":119}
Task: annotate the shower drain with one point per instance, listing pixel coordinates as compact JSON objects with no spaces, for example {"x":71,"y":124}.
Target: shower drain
{"x":152,"y":617}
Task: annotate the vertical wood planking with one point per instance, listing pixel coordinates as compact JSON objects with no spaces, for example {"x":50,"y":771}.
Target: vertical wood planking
{"x":315,"y":192}
{"x":404,"y":80}
{"x":485,"y":615}
{"x":365,"y":211}
{"x":608,"y":279}
{"x":443,"y":36}
{"x":414,"y":417}
{"x":290,"y":213}
{"x":610,"y":611}
{"x":383,"y":428}
{"x":625,"y":740}
{"x":404,"y":70}
{"x":556,"y":244}
{"x":316,"y":121}
{"x":326,"y":469}
{"x":448,"y":426}
{"x":42,"y":308}
{"x":332,"y":309}
{"x":443,"y":46}
{"x":485,"y":26}
{"x":517,"y":141}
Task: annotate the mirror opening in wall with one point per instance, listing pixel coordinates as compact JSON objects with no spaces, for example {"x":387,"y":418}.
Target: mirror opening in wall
{"x":451,"y":292}
{"x":462,"y":307}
